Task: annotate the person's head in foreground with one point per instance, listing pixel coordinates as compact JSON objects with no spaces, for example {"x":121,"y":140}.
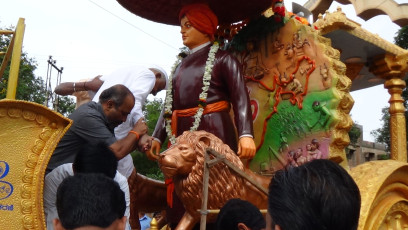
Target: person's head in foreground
{"x":97,"y":158}
{"x":198,"y":24}
{"x":90,"y":202}
{"x":239,"y":214}
{"x":319,"y":195}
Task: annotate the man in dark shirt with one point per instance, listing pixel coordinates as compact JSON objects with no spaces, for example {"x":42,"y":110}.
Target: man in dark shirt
{"x":94,"y":122}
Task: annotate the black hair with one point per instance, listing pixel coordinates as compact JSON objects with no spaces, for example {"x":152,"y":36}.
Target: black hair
{"x":237,"y":211}
{"x":89,"y":200}
{"x":116,"y":93}
{"x":97,"y":158}
{"x":319,"y":195}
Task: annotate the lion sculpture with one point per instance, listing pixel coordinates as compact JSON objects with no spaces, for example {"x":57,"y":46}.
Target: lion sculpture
{"x":184,"y":163}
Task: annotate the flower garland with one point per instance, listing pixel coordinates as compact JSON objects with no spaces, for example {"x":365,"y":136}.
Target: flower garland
{"x":202,"y":101}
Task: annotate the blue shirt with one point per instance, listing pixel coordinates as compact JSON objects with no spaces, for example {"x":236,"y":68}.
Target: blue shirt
{"x":145,"y":222}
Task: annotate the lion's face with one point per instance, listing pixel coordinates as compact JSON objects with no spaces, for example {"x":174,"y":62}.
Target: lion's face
{"x":177,"y":160}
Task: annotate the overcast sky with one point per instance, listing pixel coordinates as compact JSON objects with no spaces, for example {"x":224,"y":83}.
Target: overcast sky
{"x":92,"y":37}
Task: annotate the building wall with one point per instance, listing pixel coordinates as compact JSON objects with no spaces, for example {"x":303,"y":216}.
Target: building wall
{"x":364,"y":151}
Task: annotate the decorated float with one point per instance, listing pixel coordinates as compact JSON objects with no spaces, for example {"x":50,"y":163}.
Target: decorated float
{"x":299,"y":78}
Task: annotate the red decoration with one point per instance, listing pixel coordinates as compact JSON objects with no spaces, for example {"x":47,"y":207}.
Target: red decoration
{"x":279,"y":86}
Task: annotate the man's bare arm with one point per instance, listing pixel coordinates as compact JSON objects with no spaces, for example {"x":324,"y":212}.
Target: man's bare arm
{"x":126,"y":145}
{"x":68,"y":88}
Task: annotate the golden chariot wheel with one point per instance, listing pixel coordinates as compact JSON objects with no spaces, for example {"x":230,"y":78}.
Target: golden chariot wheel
{"x":384,"y":194}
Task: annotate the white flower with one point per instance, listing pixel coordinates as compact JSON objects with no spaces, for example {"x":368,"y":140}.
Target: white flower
{"x":203,"y":95}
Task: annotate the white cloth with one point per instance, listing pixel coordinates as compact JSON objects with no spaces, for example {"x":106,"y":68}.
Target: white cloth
{"x":55,"y":178}
{"x":140,"y":81}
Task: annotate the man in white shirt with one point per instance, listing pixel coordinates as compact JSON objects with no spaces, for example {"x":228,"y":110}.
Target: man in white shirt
{"x":141,"y":80}
{"x":91,"y":159}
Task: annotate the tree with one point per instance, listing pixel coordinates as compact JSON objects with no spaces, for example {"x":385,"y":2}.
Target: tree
{"x":66,"y":105}
{"x":402,"y":38}
{"x":354,"y":134}
{"x":143,"y":165}
{"x":29,"y":87}
{"x":382,"y":134}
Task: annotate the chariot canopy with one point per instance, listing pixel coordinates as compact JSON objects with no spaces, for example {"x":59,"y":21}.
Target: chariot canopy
{"x":166,"y":11}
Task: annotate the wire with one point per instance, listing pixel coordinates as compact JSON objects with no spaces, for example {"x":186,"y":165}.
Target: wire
{"x":134,"y":26}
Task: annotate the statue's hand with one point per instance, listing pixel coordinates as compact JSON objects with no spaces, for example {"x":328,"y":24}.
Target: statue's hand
{"x":153,"y":153}
{"x":246,"y":148}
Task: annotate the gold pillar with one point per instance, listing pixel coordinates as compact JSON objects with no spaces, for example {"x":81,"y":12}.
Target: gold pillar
{"x":393,"y":69}
{"x":398,"y":134}
{"x":15,"y":60}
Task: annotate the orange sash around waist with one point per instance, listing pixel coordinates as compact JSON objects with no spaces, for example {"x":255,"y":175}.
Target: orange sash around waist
{"x":210,"y":108}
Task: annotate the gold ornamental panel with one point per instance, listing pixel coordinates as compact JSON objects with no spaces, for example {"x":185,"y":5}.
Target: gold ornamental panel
{"x":29,"y":133}
{"x":384,"y":194}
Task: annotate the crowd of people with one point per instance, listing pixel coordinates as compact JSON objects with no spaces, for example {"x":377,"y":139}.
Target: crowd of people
{"x":86,"y":178}
{"x":318,"y":195}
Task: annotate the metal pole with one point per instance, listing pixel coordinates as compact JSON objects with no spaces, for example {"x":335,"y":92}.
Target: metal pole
{"x":206,"y":175}
{"x":237,"y":170}
{"x":56,"y":102}
{"x":207,"y":165}
{"x":46,"y":82}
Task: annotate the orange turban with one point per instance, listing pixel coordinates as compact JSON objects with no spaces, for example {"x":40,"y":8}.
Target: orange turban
{"x":201,"y":17}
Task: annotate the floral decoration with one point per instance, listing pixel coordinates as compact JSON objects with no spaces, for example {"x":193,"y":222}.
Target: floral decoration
{"x":202,"y":100}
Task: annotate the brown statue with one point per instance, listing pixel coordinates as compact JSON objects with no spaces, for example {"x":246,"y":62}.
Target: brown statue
{"x":183,"y":162}
{"x":146,"y":195}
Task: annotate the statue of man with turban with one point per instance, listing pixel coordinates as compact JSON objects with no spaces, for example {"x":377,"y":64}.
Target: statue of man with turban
{"x":226,"y":87}
{"x":202,"y":89}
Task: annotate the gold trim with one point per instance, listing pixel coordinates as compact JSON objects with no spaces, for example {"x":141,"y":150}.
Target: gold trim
{"x":51,"y":126}
{"x":384,"y":193}
{"x":366,"y":9}
{"x":338,"y":21}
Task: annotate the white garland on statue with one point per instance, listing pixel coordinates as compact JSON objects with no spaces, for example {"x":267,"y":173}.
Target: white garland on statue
{"x":202,"y":97}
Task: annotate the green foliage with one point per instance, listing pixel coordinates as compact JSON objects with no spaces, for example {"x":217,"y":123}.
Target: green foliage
{"x":29,"y":87}
{"x":382,"y":135}
{"x":354,"y":134}
{"x":383,"y":157}
{"x":66,"y":105}
{"x":151,"y":110}
{"x":402,"y":38}
{"x":146,"y":167}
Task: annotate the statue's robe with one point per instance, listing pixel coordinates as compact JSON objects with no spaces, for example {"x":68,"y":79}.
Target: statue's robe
{"x":227,"y":84}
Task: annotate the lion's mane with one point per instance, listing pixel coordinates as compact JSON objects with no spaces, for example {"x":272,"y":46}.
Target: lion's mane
{"x":224,"y":183}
